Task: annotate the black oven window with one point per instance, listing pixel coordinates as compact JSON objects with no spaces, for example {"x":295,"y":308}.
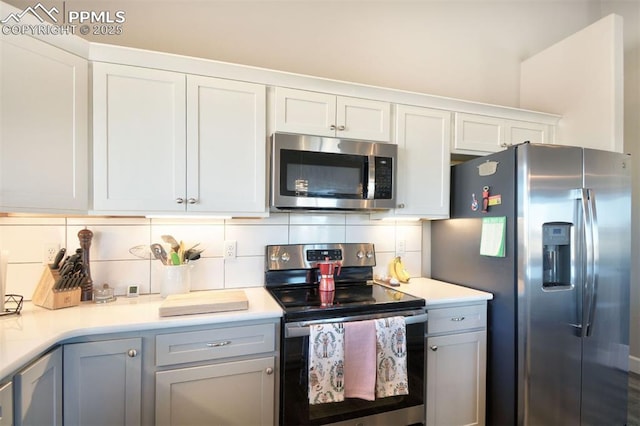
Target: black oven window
{"x":315,"y":174}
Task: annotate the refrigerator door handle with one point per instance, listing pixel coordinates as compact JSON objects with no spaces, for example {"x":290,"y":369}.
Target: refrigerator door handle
{"x":593,"y":266}
{"x":591,"y":249}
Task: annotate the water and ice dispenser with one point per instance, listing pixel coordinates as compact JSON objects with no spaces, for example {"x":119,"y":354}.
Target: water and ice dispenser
{"x":556,"y":255}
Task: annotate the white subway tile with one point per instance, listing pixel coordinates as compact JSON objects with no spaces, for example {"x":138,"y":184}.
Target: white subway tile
{"x":109,"y":242}
{"x":317,"y":219}
{"x":23,"y":278}
{"x":26,"y":243}
{"x":252,"y":239}
{"x":306,"y":234}
{"x":120,"y":274}
{"x":383,"y":237}
{"x":244,"y":272}
{"x":31,"y":220}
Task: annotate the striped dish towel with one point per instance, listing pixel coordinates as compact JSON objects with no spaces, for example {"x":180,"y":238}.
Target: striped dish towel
{"x":392,"y":378}
{"x":326,"y":363}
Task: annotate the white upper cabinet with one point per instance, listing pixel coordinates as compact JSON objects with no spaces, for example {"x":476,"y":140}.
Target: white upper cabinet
{"x":139,"y":139}
{"x":226,"y":146}
{"x":480,"y":134}
{"x":299,"y":111}
{"x":44,"y":144}
{"x":422,"y":175}
{"x":581,"y":78}
{"x":171,"y":142}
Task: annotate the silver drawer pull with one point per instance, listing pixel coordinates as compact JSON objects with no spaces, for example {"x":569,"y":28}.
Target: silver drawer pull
{"x":457,"y":319}
{"x":218,"y":344}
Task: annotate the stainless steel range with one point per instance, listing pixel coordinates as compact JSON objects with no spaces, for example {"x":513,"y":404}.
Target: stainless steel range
{"x":292,"y":277}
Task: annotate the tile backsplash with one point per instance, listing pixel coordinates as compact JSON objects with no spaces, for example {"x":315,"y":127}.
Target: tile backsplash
{"x":26,"y":238}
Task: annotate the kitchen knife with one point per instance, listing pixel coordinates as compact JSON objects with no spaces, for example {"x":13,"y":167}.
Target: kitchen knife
{"x":58,"y":258}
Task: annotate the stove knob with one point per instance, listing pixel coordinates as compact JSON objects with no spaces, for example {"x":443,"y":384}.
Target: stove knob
{"x":359,"y":254}
{"x":369,"y":255}
{"x":285,"y":257}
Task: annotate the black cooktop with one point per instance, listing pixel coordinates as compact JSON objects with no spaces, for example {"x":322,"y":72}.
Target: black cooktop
{"x":306,"y":302}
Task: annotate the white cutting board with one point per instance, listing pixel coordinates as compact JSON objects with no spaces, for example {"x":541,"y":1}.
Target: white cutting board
{"x":201,"y":302}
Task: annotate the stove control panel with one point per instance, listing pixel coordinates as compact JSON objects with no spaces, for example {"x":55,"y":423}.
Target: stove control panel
{"x":319,"y":255}
{"x":305,"y":256}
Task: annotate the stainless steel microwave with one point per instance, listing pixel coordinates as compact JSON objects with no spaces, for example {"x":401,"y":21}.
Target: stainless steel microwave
{"x":319,"y":173}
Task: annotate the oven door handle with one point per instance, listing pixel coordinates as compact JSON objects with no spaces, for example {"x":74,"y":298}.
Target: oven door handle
{"x":302,"y":329}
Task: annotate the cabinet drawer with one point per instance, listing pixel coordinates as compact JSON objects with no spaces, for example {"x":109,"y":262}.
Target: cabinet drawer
{"x":457,"y":319}
{"x":178,"y":348}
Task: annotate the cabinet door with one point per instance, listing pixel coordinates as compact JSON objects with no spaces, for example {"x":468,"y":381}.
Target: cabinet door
{"x":299,"y":111}
{"x":139,"y":139}
{"x":102,"y":382}
{"x":38,"y":391}
{"x":478,"y":134}
{"x":226,"y":146}
{"x":233,"y":393}
{"x":44,"y":151}
{"x":522,"y":131}
{"x":456,"y":379}
{"x":423,"y":137}
{"x":6,"y":404}
{"x":363,"y":119}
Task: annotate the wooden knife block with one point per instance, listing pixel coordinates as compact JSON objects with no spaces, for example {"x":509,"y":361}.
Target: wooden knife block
{"x":45,"y":296}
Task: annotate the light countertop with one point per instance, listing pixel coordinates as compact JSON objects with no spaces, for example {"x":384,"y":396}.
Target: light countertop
{"x":436,"y":293}
{"x":24,"y":337}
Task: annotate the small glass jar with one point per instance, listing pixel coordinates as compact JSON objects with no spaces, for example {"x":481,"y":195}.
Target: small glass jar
{"x":104,"y":294}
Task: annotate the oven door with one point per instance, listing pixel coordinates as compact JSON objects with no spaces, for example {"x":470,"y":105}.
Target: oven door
{"x":398,"y":410}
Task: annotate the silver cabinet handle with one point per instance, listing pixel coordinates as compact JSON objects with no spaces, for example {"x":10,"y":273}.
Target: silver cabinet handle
{"x":401,"y":206}
{"x":192,"y":200}
{"x":341,"y":128}
{"x":434,"y":348}
{"x":132,"y":353}
{"x":332,"y":127}
{"x":457,"y":319}
{"x":180,"y":200}
{"x":218,"y":344}
{"x":269,"y":371}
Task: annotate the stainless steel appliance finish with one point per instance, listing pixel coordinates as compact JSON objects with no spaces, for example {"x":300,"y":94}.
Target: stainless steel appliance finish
{"x":292,"y":278}
{"x":319,"y":173}
{"x":559,"y":320}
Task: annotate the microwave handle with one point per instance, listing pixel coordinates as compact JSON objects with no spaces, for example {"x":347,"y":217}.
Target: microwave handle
{"x":371,"y":178}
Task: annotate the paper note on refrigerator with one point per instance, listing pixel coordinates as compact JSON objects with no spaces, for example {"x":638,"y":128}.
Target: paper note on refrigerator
{"x":493,"y":237}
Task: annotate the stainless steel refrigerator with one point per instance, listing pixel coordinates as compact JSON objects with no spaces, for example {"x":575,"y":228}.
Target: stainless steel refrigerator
{"x":547,"y":230}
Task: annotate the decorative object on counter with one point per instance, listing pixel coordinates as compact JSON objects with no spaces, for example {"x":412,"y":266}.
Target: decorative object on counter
{"x":177,"y":254}
{"x":398,"y":271}
{"x":204,"y":302}
{"x":104,"y":294}
{"x":175,"y":272}
{"x":60,"y":288}
{"x":175,"y":279}
{"x":85,"y":236}
{"x":12,"y":304}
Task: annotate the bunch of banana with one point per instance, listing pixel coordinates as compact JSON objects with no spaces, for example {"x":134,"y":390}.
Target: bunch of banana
{"x":398,"y":271}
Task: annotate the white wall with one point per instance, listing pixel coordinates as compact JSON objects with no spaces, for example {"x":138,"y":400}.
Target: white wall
{"x":463,"y":49}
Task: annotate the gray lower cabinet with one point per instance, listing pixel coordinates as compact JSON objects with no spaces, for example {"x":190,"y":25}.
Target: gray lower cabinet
{"x":6,"y":404}
{"x":103,"y":382}
{"x":220,"y":376}
{"x":456,"y":365}
{"x":230,"y":393}
{"x":38,"y":391}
